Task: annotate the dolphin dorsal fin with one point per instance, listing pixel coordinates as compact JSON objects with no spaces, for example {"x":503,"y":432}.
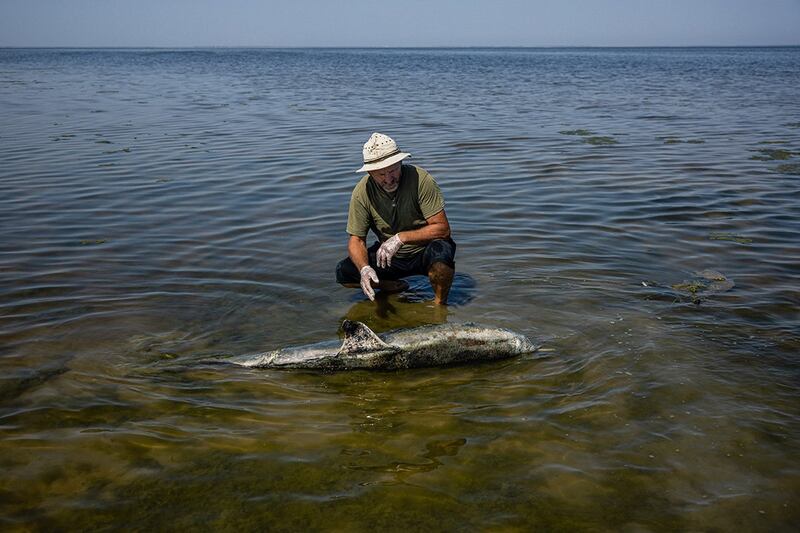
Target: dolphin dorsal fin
{"x":358,"y":338}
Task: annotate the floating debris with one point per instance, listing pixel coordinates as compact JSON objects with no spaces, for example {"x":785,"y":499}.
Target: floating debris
{"x":599,"y":141}
{"x":729,"y":237}
{"x":88,"y":242}
{"x":792,"y":124}
{"x":103,"y":141}
{"x":582,"y":133}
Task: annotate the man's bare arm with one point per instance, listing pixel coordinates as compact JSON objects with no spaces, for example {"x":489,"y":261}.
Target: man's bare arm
{"x":357,"y":249}
{"x":437,"y":228}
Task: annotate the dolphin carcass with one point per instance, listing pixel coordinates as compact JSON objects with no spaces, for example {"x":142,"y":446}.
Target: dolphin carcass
{"x":438,"y":345}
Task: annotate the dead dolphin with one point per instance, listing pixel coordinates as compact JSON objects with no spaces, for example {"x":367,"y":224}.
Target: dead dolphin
{"x":438,"y":345}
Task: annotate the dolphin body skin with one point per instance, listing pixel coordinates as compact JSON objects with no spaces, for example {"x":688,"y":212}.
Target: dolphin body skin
{"x":425,"y":346}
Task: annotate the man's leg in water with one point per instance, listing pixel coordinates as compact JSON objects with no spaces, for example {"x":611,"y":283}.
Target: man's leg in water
{"x":441,"y":277}
{"x":439,"y":259}
{"x":437,"y":262}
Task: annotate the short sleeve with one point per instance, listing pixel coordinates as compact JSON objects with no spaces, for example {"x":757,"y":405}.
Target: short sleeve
{"x":431,"y":200}
{"x":358,"y":214}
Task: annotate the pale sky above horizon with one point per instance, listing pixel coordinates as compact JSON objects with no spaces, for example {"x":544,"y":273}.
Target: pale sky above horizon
{"x":198,"y":23}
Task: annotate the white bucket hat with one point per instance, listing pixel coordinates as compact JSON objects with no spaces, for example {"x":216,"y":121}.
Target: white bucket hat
{"x":380,"y":151}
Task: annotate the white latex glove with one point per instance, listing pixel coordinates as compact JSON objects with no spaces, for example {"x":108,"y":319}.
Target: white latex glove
{"x":388,"y":249}
{"x":368,"y":273}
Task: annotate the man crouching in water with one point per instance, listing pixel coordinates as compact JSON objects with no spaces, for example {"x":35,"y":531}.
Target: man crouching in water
{"x":404,"y":208}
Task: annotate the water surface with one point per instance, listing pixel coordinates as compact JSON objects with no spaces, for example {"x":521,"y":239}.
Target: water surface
{"x":634,"y":210}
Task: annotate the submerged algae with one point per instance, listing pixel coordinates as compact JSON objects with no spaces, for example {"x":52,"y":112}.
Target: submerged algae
{"x":590,"y":137}
{"x":772,"y":154}
{"x":789,"y":168}
{"x":599,"y":141}
{"x":673,"y":140}
{"x":689,"y":286}
{"x":705,"y":283}
{"x":729,"y":237}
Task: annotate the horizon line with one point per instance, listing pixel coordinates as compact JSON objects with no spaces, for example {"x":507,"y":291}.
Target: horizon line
{"x":410,"y":47}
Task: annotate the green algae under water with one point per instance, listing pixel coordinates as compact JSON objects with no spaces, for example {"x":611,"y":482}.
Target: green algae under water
{"x":600,"y":140}
{"x":376,"y":457}
{"x":773,"y":155}
{"x":789,"y":168}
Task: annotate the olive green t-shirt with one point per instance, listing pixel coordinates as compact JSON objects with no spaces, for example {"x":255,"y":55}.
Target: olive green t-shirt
{"x":416,"y":199}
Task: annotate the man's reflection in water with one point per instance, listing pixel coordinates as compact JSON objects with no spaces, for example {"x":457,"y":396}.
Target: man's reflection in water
{"x":389,"y":312}
{"x":411,"y":308}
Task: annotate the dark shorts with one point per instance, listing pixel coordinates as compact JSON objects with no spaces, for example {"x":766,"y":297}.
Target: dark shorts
{"x":438,"y":251}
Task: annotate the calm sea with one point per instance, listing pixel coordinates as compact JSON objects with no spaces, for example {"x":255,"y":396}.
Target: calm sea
{"x":635,"y":211}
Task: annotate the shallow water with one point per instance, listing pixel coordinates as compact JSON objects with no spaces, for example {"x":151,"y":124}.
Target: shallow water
{"x":161,"y":207}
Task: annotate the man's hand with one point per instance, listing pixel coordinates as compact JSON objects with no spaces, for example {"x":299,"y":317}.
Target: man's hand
{"x":368,"y":273}
{"x":388,"y":249}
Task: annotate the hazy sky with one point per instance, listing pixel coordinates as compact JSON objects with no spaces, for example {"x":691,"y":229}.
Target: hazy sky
{"x":398,"y":23}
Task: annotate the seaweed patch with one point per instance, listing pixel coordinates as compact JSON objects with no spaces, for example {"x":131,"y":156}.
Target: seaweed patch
{"x":789,"y":168}
{"x":704,"y":284}
{"x":675,"y":140}
{"x":582,"y":133}
{"x":772,"y":154}
{"x":729,"y":237}
{"x":600,"y":141}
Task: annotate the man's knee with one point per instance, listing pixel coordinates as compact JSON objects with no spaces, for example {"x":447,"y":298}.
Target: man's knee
{"x":440,"y":267}
{"x":440,"y":272}
{"x":441,"y":251}
{"x":346,"y":273}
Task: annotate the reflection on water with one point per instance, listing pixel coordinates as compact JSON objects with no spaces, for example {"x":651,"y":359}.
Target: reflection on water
{"x":411,"y":308}
{"x":390,"y":312}
{"x":633,"y":210}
